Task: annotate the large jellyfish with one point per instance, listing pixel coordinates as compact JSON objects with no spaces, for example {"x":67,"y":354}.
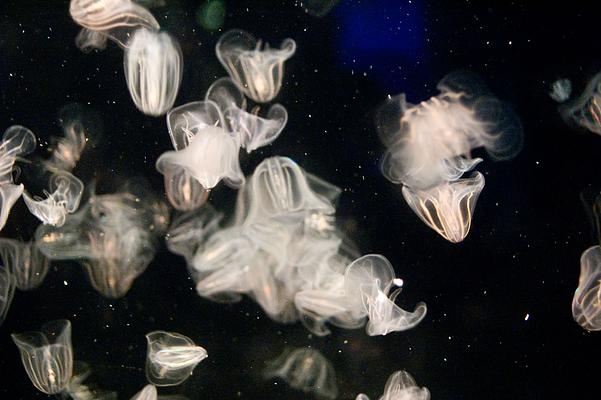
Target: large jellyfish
{"x":171,"y":358}
{"x":401,"y":386}
{"x":47,"y":356}
{"x":27,"y":264}
{"x":585,"y":110}
{"x":153,"y":70}
{"x":257,"y":70}
{"x":7,"y":290}
{"x":16,"y":141}
{"x":586,"y":308}
{"x":305,"y":369}
{"x":447,"y":208}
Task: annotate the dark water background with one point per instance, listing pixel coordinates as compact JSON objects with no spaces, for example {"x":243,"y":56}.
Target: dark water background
{"x":521,"y":257}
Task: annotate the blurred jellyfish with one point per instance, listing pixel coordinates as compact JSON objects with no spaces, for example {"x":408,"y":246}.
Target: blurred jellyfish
{"x":76,"y":389}
{"x":431,"y":142}
{"x":27,"y":264}
{"x":211,"y":14}
{"x":88,"y":40}
{"x":149,"y":392}
{"x":586,"y":308}
{"x":585,"y":111}
{"x":171,"y":358}
{"x":190,"y":230}
{"x":561,"y":90}
{"x":16,"y":141}
{"x":7,"y":290}
{"x":449,"y":207}
{"x":68,"y":149}
{"x":64,"y":197}
{"x":257,"y":70}
{"x":115,"y":19}
{"x":47,"y":356}
{"x":401,"y":386}
{"x":305,"y":369}
{"x":153,"y":70}
{"x":318,"y":8}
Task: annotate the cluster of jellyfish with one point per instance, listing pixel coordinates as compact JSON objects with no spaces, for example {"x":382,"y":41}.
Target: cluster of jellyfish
{"x":48,"y":358}
{"x":430,"y":144}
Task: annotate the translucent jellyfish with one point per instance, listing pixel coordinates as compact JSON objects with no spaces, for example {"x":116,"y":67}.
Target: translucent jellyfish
{"x":76,"y":389}
{"x":585,"y":111}
{"x":318,"y":8}
{"x":153,"y":70}
{"x":449,"y":207}
{"x":171,"y":358}
{"x":431,"y":142}
{"x":586,"y":308}
{"x":115,"y":19}
{"x":305,"y":369}
{"x":401,"y":386}
{"x":148,"y":393}
{"x":68,"y":149}
{"x":63,"y":198}
{"x":257,"y":70}
{"x":47,"y":356}
{"x":561,"y":90}
{"x":16,"y":141}
{"x":7,"y":290}
{"x":370,"y":279}
{"x":88,"y":40}
{"x":27,"y":264}
{"x":112,"y":236}
{"x":210,"y":157}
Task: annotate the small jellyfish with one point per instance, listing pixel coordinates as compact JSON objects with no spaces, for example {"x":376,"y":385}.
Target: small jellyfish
{"x":88,"y":40}
{"x":47,"y":356}
{"x":63,"y":198}
{"x":561,"y":90}
{"x":449,"y":207}
{"x":153,"y":70}
{"x":401,"y":386}
{"x":69,"y":148}
{"x":149,"y":392}
{"x":586,"y":308}
{"x":7,"y":290}
{"x":585,"y":110}
{"x":257,"y":70}
{"x":116,"y":19}
{"x":27,"y":264}
{"x":318,"y":8}
{"x":171,"y":358}
{"x":305,"y":369}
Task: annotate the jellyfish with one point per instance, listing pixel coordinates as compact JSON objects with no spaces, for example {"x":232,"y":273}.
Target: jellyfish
{"x":256,"y":70}
{"x":153,"y":71}
{"x":7,"y":290}
{"x":47,"y":356}
{"x":561,"y":90}
{"x":115,"y":19}
{"x":63,"y":198}
{"x":27,"y":264}
{"x":88,"y":40}
{"x":171,"y":358}
{"x":431,"y":142}
{"x":16,"y":141}
{"x":69,"y":148}
{"x":401,"y":386}
{"x":585,"y":110}
{"x":318,"y":8}
{"x":305,"y":369}
{"x":149,"y":392}
{"x":447,"y":208}
{"x":586,"y":309}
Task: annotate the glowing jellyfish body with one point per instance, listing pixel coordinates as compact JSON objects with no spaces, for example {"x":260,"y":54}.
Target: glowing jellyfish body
{"x":585,"y":111}
{"x":307,"y":370}
{"x":171,"y":358}
{"x":68,"y":149}
{"x":561,"y":90}
{"x":447,"y":208}
{"x":258,"y":71}
{"x":153,"y":71}
{"x":27,"y":264}
{"x":64,"y":197}
{"x":401,"y":386}
{"x":16,"y":141}
{"x":7,"y":290}
{"x":47,"y":356}
{"x":586,"y":308}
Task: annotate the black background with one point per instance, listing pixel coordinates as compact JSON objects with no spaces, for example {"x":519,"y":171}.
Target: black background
{"x":521,"y":257}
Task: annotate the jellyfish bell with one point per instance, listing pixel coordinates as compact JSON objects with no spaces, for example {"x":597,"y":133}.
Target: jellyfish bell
{"x":186,"y":121}
{"x":585,"y":304}
{"x":449,"y":207}
{"x":149,"y":392}
{"x":561,"y":90}
{"x":256,"y":69}
{"x":153,"y":70}
{"x":401,"y":386}
{"x":27,"y":264}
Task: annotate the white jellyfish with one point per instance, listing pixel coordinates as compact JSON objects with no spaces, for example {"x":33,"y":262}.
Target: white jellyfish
{"x":257,"y":70}
{"x":586,"y":308}
{"x":561,"y":90}
{"x":585,"y":110}
{"x":7,"y":290}
{"x":153,"y":70}
{"x":401,"y":386}
{"x":149,"y":392}
{"x":305,"y":369}
{"x":27,"y":264}
{"x":447,"y":208}
{"x":47,"y":356}
{"x":63,"y":198}
{"x":171,"y":358}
